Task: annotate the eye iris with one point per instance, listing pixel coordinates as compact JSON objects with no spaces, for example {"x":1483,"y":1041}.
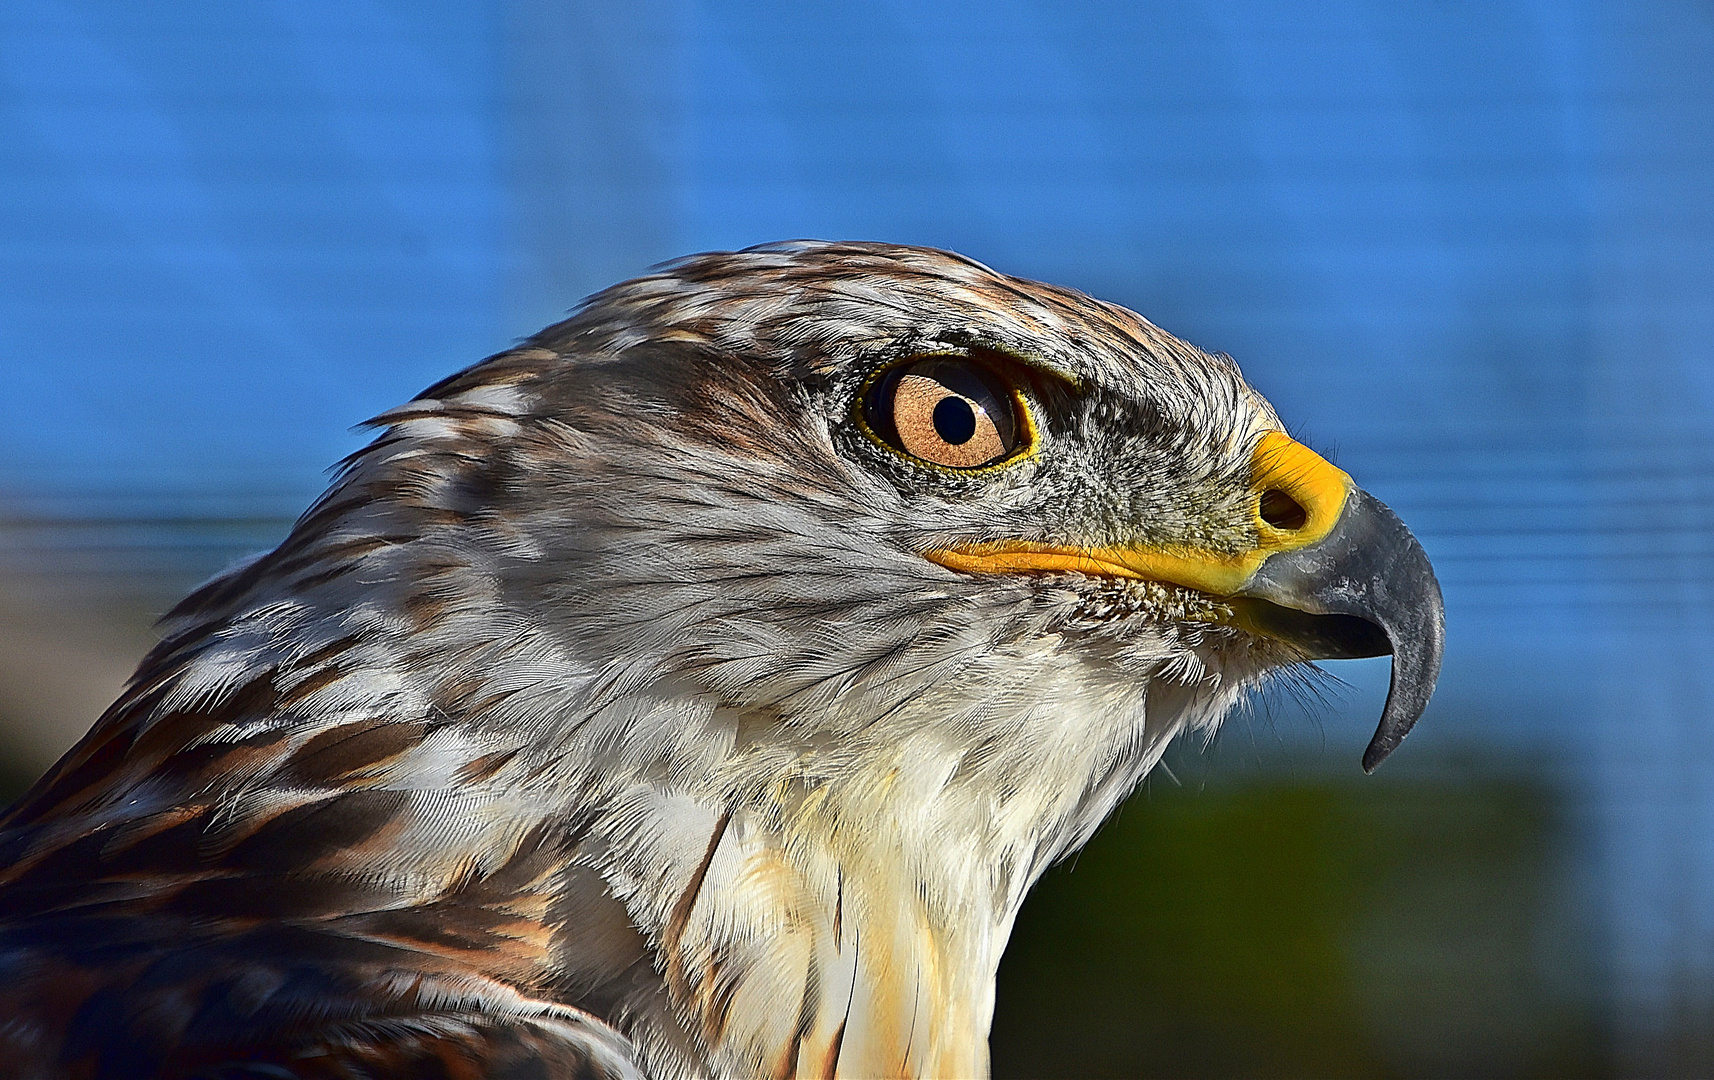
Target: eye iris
{"x":947,"y":411}
{"x":954,"y":420}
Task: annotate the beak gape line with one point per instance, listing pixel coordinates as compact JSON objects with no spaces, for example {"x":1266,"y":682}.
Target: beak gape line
{"x":1334,"y":574}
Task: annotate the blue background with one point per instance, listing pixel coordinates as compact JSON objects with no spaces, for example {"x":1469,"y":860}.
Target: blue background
{"x":1464,"y":247}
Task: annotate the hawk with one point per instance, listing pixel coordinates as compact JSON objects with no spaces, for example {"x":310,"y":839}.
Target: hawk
{"x":694,"y":690}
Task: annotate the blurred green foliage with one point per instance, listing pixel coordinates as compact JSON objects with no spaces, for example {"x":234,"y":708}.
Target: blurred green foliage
{"x":1289,"y":926}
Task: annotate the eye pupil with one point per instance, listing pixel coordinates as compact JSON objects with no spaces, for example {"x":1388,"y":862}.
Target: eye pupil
{"x":954,"y":420}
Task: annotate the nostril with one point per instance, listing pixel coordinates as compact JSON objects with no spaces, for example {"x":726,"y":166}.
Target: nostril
{"x":1282,"y":511}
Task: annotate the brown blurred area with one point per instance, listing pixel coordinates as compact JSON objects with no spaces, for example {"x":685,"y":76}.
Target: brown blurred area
{"x":81,"y":587}
{"x":63,"y":656}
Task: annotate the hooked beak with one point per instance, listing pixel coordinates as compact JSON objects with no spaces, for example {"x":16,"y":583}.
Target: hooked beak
{"x":1365,"y":589}
{"x":1334,"y":574}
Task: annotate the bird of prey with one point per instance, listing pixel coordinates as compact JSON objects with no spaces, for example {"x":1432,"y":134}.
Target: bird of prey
{"x":694,"y":690}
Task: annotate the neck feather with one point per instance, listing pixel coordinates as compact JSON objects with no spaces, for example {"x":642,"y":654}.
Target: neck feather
{"x":853,"y":927}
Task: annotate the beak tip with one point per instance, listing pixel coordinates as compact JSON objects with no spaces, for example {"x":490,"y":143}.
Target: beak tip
{"x":1417,"y":654}
{"x":1373,"y":572}
{"x":1386,"y":740}
{"x":1374,"y":755}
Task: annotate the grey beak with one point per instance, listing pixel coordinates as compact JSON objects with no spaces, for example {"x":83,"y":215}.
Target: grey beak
{"x":1365,"y":589}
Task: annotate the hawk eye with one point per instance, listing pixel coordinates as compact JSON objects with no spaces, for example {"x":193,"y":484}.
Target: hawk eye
{"x":948,"y":411}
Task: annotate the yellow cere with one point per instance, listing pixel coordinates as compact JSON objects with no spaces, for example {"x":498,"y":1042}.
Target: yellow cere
{"x":1280,"y":463}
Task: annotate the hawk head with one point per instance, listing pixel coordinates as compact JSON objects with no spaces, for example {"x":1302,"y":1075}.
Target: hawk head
{"x":696,"y":688}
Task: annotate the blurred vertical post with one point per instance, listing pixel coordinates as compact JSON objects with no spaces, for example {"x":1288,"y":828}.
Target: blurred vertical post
{"x":1653,"y":146}
{"x":593,"y":125}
